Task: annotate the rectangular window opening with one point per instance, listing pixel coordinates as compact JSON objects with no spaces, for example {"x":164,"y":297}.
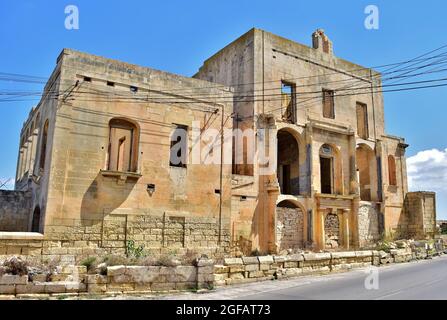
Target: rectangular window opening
{"x":328,"y":104}
{"x":87,"y":79}
{"x":133,"y":89}
{"x":288,"y":102}
{"x":362,"y":120}
{"x":179,"y":146}
{"x":110,"y":83}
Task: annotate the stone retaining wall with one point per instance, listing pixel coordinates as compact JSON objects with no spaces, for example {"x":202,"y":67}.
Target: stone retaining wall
{"x":252,"y":269}
{"x":71,"y":280}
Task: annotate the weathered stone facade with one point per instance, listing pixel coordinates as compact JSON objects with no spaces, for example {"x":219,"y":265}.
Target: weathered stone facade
{"x":99,"y":165}
{"x":290,"y":228}
{"x":14,"y":210}
{"x":419,"y":217}
{"x":368,"y":224}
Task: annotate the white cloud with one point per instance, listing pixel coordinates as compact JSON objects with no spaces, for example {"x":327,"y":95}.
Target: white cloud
{"x":427,"y":171}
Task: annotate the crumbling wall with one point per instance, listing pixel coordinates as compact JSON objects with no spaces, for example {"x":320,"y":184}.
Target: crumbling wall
{"x":14,"y":210}
{"x":289,"y":228}
{"x":368,"y":220}
{"x":418,"y":219}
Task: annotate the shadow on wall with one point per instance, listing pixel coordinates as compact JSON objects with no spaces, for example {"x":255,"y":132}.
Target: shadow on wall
{"x":104,"y":195}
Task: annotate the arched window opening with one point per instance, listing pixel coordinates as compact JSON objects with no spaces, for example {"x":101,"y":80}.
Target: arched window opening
{"x":35,"y":226}
{"x":288,"y":163}
{"x":392,"y":170}
{"x":43,"y":146}
{"x":123,"y":146}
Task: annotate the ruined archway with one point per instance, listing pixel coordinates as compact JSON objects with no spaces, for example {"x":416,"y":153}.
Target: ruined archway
{"x":288,"y":171}
{"x":332,"y":231}
{"x":367,"y":173}
{"x":289,"y":226}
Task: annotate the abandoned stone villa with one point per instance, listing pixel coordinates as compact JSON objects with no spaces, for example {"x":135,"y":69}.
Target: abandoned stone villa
{"x":95,"y":168}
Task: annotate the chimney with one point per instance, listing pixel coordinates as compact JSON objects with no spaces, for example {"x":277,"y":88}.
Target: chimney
{"x":321,"y":42}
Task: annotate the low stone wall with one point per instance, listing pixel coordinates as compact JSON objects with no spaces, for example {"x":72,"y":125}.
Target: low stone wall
{"x":14,"y":210}
{"x":73,"y":280}
{"x":252,"y":269}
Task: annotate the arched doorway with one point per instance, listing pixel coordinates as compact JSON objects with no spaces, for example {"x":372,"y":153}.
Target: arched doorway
{"x":288,"y":163}
{"x":289,"y":226}
{"x":35,"y":226}
{"x":332,"y":231}
{"x":367,"y":172}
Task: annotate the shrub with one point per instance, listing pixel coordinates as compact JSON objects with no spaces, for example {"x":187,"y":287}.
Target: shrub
{"x":16,"y":266}
{"x":134,"y":251}
{"x":89,"y":263}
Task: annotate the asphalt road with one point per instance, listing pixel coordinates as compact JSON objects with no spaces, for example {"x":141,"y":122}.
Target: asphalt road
{"x":425,"y":279}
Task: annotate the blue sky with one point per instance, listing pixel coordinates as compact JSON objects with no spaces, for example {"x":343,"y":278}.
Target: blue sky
{"x":177,"y":36}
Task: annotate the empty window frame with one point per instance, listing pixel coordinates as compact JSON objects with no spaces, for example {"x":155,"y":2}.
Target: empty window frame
{"x":392,"y":170}
{"x":288,"y":102}
{"x":362,"y":120}
{"x":178,"y":152}
{"x":123,"y":146}
{"x":43,"y":146}
{"x":328,"y":104}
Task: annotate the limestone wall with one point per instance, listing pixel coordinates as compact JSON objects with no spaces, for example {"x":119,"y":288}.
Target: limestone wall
{"x":14,"y":210}
{"x":368,"y":220}
{"x":418,"y":219}
{"x":289,"y":228}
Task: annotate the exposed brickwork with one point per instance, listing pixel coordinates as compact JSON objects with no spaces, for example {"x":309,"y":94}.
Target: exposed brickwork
{"x":289,"y":225}
{"x":368,"y":224}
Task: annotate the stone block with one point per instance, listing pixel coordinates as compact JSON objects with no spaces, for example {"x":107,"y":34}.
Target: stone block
{"x":295,"y":257}
{"x":366,"y":253}
{"x":343,"y":255}
{"x":7,"y":279}
{"x":116,"y":270}
{"x":234,"y":269}
{"x":97,"y":279}
{"x":233,"y":262}
{"x":7,"y":289}
{"x":55,"y":287}
{"x":252,"y":267}
{"x":183,"y":286}
{"x":256,"y":274}
{"x":264,"y":267}
{"x":279,"y":259}
{"x":291,"y":264}
{"x":218,"y":269}
{"x":30,"y":288}
{"x":207,"y":269}
{"x":265,"y":260}
{"x":236,"y":275}
{"x":316,"y":256}
{"x":250,"y":260}
{"x":163,"y":286}
{"x":205,"y":262}
{"x":120,"y":287}
{"x":189,"y":273}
